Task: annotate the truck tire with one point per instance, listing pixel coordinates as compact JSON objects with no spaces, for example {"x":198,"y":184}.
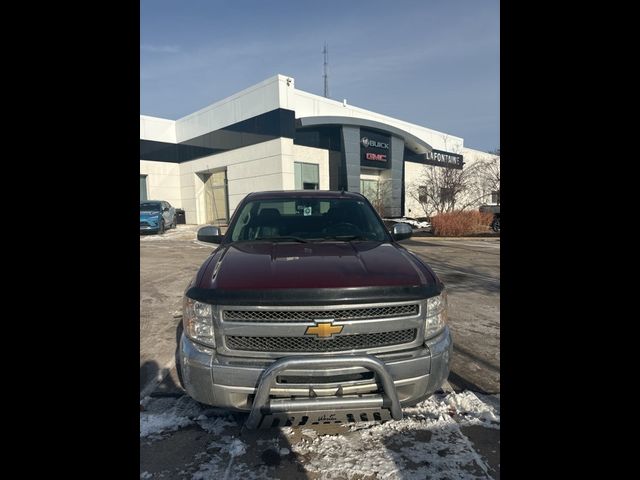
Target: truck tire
{"x":495,"y":225}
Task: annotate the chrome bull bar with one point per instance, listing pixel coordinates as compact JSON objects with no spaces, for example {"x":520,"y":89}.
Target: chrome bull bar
{"x":336,"y":409}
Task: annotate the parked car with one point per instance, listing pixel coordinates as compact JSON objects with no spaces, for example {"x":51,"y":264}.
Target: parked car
{"x":309,"y":311}
{"x":156,"y":216}
{"x":495,"y":209}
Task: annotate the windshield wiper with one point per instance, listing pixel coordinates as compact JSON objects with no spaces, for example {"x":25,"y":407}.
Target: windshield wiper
{"x":344,"y":238}
{"x":284,"y":238}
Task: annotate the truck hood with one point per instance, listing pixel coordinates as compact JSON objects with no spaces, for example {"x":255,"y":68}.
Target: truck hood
{"x":325,"y":265}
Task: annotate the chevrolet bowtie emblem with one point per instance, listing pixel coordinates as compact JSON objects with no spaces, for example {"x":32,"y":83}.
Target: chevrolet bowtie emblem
{"x":324,"y":330}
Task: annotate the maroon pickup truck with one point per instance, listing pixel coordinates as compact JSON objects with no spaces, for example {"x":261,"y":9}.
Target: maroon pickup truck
{"x":309,"y":312}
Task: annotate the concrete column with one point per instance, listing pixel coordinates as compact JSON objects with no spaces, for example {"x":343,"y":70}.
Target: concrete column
{"x":351,"y":142}
{"x":393,"y":178}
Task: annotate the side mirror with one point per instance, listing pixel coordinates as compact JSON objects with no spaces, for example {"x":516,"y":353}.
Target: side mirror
{"x":401,"y":231}
{"x":210,"y":234}
{"x":165,"y":209}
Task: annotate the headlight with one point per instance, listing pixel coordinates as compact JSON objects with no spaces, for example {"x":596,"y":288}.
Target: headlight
{"x":197,"y":319}
{"x":436,"y":317}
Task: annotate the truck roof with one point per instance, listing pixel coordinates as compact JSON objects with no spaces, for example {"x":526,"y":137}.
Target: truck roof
{"x":303,"y":194}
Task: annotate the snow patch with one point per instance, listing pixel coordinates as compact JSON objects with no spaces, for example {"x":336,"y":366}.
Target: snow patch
{"x":426,"y":443}
{"x":220,"y":464}
{"x":167,"y":414}
{"x":410,"y":221}
{"x":216,"y":425}
{"x":472,"y":409}
{"x":237,"y":448}
{"x":153,"y":423}
{"x":307,"y":432}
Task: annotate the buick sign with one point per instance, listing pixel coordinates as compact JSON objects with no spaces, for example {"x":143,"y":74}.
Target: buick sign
{"x":374,"y":144}
{"x":375,"y":150}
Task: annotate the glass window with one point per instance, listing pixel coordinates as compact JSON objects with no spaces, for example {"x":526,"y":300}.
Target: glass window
{"x":446,"y":195}
{"x":215,"y":197}
{"x":495,"y":197}
{"x":307,"y":176}
{"x":143,"y":188}
{"x":369,"y":188}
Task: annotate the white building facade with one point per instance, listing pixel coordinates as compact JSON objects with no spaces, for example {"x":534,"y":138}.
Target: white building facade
{"x":272,"y":136}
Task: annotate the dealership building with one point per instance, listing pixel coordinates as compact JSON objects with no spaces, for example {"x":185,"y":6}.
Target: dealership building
{"x":272,"y":136}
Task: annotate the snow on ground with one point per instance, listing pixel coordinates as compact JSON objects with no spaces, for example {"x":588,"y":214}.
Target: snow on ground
{"x":212,"y":469}
{"x":410,"y":221}
{"x":158,"y":423}
{"x":394,"y":450}
{"x":427,"y":443}
{"x":166,"y":414}
{"x":181,"y":232}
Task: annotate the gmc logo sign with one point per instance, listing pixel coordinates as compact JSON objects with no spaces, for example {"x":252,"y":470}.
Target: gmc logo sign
{"x":376,"y":156}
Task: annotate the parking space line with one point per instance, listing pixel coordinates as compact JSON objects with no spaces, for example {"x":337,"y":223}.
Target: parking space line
{"x":483,"y":245}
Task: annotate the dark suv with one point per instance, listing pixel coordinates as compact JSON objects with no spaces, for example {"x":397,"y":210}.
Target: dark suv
{"x":309,"y":311}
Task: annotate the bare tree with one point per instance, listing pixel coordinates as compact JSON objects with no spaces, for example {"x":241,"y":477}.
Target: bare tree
{"x":489,"y":174}
{"x":380,"y":197}
{"x":442,"y":190}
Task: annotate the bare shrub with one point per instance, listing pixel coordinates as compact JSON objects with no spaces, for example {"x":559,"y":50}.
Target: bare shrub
{"x":459,"y":223}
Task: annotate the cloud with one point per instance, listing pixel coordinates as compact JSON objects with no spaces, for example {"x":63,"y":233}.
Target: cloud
{"x":160,"y":48}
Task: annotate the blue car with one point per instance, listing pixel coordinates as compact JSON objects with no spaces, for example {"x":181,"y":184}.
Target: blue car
{"x":156,"y":216}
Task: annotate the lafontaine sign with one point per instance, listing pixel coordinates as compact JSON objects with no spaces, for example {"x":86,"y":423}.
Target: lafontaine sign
{"x":441,"y":158}
{"x":375,"y":149}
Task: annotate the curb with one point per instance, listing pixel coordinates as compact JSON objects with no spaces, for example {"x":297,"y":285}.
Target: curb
{"x":483,"y":239}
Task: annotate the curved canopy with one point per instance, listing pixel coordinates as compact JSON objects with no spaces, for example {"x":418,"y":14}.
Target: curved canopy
{"x":411,"y":142}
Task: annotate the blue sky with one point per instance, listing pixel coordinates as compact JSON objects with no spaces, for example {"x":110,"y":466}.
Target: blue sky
{"x":435,"y":63}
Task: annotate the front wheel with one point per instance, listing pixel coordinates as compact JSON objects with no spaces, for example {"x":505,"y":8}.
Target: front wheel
{"x":496,"y":225}
{"x":161,"y":227}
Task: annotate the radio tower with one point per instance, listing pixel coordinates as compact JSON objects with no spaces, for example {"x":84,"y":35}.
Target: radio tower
{"x":326,"y":75}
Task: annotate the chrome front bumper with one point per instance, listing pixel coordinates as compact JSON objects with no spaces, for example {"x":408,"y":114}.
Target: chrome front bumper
{"x":232,"y":382}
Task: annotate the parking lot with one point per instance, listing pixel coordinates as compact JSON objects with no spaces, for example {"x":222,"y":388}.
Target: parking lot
{"x":454,"y":434}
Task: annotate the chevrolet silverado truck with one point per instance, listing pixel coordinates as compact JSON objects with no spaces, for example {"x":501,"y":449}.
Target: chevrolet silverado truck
{"x":309,"y":312}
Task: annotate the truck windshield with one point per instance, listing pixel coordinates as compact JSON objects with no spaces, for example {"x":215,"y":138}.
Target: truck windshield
{"x":307,"y":220}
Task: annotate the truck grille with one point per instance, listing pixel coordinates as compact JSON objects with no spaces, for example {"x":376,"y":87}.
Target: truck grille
{"x":304,"y":316}
{"x":309,"y":344}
